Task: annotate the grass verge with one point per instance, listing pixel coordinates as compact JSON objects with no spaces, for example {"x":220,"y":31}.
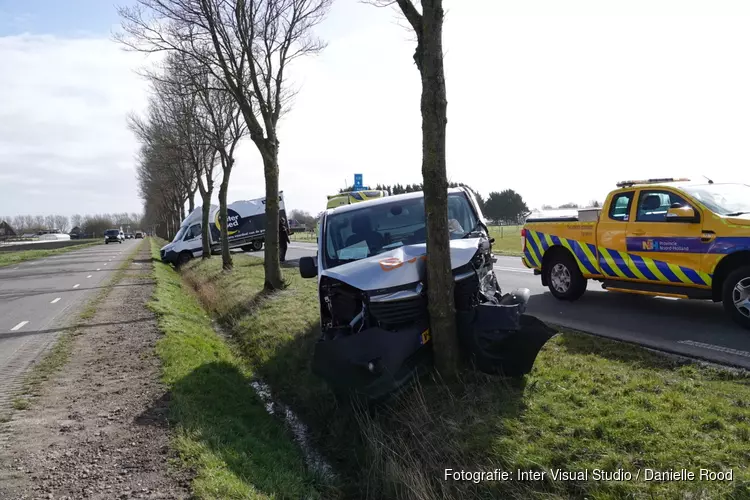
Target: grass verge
{"x":222,"y":429}
{"x":589,"y":404}
{"x":507,"y":240}
{"x":59,"y":353}
{"x":11,"y":258}
{"x":306,"y":236}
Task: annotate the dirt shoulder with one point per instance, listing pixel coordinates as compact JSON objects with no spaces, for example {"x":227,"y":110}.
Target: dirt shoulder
{"x":99,"y":428}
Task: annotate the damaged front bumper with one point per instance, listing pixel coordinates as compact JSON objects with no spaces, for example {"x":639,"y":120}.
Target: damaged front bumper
{"x":374,"y":362}
{"x":497,"y":338}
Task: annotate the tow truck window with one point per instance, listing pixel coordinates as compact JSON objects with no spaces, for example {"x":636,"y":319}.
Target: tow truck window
{"x":619,"y":209}
{"x":653,"y":205}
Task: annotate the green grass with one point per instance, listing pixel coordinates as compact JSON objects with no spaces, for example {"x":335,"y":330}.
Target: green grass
{"x":507,"y":240}
{"x":589,"y":403}
{"x":15,"y":257}
{"x":307,"y":236}
{"x":222,"y":430}
{"x":20,"y":403}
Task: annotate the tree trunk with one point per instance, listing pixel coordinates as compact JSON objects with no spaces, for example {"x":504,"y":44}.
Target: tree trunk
{"x":206,"y":225}
{"x":434,"y":120}
{"x":191,"y":200}
{"x":226,"y":257}
{"x":274,"y":279}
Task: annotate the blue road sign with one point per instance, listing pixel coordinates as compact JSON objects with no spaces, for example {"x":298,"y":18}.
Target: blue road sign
{"x":358,"y":182}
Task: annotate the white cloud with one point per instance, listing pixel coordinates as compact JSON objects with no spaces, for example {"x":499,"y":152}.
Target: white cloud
{"x":556,"y":101}
{"x":62,"y":125}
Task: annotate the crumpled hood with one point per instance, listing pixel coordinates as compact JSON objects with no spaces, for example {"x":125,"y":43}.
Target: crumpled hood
{"x":401,"y":266}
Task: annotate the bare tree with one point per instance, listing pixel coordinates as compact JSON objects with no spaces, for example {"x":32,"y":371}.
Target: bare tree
{"x":252,"y":43}
{"x":428,"y":56}
{"x":223,"y":128}
{"x":61,"y":223}
{"x":76,"y":220}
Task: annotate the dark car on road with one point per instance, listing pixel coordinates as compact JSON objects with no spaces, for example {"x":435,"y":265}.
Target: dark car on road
{"x":138,"y":234}
{"x":113,"y":235}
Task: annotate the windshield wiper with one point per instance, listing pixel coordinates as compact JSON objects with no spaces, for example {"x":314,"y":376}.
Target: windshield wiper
{"x":735,"y":214}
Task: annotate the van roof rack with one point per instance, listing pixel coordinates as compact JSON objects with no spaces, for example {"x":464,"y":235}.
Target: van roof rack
{"x":651,"y":181}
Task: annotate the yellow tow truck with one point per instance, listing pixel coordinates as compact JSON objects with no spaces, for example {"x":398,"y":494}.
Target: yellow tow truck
{"x":667,"y":237}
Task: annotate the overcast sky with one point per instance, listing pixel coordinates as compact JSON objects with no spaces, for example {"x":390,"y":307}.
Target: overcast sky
{"x":556,"y":100}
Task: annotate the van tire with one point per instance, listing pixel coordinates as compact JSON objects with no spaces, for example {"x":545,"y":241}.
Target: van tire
{"x":183,"y":259}
{"x":739,"y":277}
{"x":257,"y":245}
{"x":562,"y":269}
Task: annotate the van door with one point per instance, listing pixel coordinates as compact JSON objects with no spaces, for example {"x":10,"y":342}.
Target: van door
{"x":193,"y":240}
{"x":611,"y":233}
{"x":666,"y":251}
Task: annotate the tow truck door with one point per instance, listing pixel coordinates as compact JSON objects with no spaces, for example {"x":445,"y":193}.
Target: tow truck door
{"x":666,"y":251}
{"x":611,"y":234}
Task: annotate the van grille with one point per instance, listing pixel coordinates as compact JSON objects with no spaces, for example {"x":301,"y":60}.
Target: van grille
{"x":399,"y":312}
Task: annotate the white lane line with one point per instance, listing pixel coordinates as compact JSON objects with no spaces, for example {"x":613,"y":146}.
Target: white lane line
{"x":88,"y":276}
{"x":713,"y":347}
{"x":99,"y":269}
{"x":55,"y":301}
{"x":19,"y":326}
{"x":105,"y":263}
{"x":514,"y":269}
{"x":76,"y":286}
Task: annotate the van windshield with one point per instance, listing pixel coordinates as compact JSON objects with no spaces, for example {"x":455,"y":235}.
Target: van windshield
{"x":372,"y":230}
{"x":112,"y":232}
{"x":180,"y":234}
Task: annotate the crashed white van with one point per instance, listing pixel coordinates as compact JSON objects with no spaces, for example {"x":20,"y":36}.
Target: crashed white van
{"x":246,"y":226}
{"x":373,"y":304}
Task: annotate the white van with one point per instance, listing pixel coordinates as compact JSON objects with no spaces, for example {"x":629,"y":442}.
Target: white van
{"x":246,"y":220}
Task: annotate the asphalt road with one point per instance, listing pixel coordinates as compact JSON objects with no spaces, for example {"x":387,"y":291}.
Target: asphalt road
{"x":39,"y":298}
{"x":686,"y":327}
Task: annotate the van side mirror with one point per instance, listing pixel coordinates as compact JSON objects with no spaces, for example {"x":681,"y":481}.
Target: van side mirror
{"x":308,"y":267}
{"x":681,"y":214}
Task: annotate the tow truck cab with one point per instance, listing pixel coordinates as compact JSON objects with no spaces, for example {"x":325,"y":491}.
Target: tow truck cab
{"x":667,"y":237}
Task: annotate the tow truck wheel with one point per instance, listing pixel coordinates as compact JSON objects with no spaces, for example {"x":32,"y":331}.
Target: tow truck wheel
{"x":736,"y":296}
{"x":563,"y":277}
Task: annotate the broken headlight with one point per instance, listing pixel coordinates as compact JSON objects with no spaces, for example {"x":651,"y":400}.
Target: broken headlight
{"x":341,"y":306}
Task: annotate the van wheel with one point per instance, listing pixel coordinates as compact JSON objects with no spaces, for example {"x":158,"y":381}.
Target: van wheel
{"x":563,"y":277}
{"x":184,"y":258}
{"x":736,"y":296}
{"x":257,"y":245}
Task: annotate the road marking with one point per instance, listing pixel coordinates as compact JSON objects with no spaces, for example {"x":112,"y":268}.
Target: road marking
{"x":99,"y":269}
{"x":713,"y":347}
{"x":55,"y":301}
{"x":105,"y":263}
{"x":76,"y":286}
{"x":19,"y":326}
{"x":513,"y":269}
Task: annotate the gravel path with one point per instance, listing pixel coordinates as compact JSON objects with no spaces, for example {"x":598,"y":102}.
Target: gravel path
{"x":99,"y":430}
